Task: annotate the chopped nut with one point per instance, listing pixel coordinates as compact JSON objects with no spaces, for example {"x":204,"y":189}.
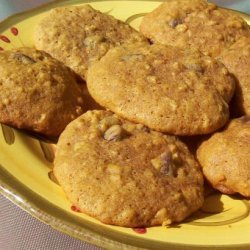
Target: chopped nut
{"x":181,"y":27}
{"x":173,"y":73}
{"x":175,"y":156}
{"x":201,"y":14}
{"x":189,"y":32}
{"x":174,"y":22}
{"x":113,"y":169}
{"x":91,"y":41}
{"x":157,"y":163}
{"x":114,"y":133}
{"x":114,"y":172}
{"x":183,"y":87}
{"x":161,"y":214}
{"x":195,"y":67}
{"x":23,"y":58}
{"x":173,"y":105}
{"x":90,"y":27}
{"x":42,"y":118}
{"x":6,"y":101}
{"x":172,"y":148}
{"x":224,"y":71}
{"x":107,"y":122}
{"x":142,"y":128}
{"x":151,"y":79}
{"x":103,"y":48}
{"x":166,"y":222}
{"x":157,"y":62}
{"x":176,"y":65}
{"x":133,"y":57}
{"x":78,"y":146}
{"x":20,"y":89}
{"x":211,"y":23}
{"x":205,"y":121}
{"x":115,"y":178}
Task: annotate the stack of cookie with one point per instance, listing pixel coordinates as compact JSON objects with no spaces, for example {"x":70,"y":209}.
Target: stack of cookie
{"x":124,"y":163}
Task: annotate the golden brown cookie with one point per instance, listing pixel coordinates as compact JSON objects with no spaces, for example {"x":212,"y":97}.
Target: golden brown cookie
{"x":79,"y":36}
{"x":194,"y":23}
{"x":224,"y":158}
{"x":237,"y":61}
{"x":37,"y":92}
{"x":124,"y":174}
{"x":170,"y":90}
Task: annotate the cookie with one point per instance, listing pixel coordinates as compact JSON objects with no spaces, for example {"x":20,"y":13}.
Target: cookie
{"x":194,"y":23}
{"x":79,"y":36}
{"x":237,"y":61}
{"x":180,"y":92}
{"x":37,"y":92}
{"x":124,"y":174}
{"x":224,"y":158}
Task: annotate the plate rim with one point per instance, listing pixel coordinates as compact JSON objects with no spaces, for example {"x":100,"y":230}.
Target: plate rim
{"x":16,"y":192}
{"x":31,"y":202}
{"x":56,"y":3}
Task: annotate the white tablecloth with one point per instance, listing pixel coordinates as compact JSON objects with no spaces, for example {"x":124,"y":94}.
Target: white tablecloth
{"x":20,"y":231}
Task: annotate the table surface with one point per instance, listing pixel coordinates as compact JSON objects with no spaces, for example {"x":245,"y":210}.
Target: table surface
{"x":19,"y":230}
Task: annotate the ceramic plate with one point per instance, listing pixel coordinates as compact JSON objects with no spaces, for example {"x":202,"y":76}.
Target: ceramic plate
{"x":26,"y":163}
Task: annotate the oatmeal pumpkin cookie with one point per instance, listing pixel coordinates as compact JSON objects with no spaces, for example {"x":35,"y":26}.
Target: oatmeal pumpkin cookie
{"x":170,"y":90}
{"x":37,"y":92}
{"x":237,"y":61}
{"x":224,"y":158}
{"x":194,"y":23}
{"x":79,"y":36}
{"x":125,"y":174}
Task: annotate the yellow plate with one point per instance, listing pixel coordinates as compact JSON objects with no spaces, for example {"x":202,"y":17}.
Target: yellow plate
{"x":25,"y":166}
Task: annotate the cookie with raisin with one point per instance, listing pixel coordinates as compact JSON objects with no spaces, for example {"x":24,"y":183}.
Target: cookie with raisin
{"x":125,"y":174}
{"x":194,"y":24}
{"x":81,"y":35}
{"x":170,"y":90}
{"x":37,"y":92}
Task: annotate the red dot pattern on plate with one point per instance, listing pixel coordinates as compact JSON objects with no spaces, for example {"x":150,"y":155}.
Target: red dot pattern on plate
{"x":75,"y":209}
{"x":14,"y":31}
{"x":4,"y":39}
{"x":140,"y":230}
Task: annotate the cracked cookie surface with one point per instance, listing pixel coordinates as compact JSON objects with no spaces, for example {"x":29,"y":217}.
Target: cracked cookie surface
{"x":170,"y":90}
{"x":37,"y":92}
{"x":125,"y":174}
